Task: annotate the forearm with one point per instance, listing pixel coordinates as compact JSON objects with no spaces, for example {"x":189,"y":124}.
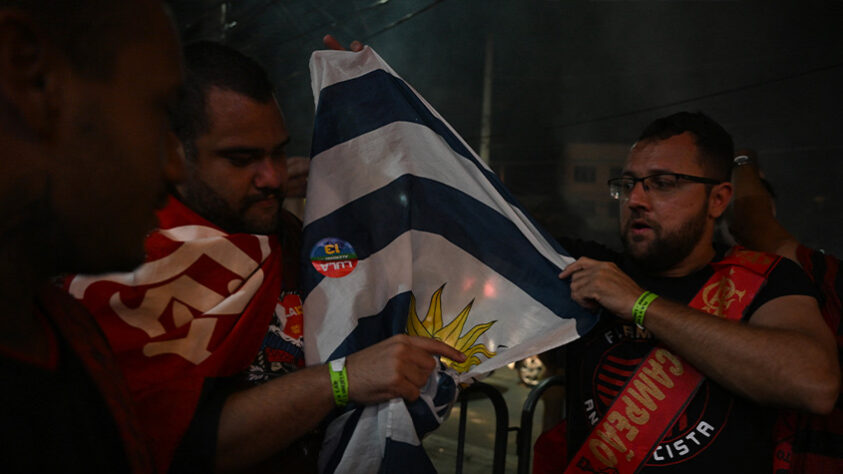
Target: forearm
{"x":261,"y":421}
{"x":767,"y":364}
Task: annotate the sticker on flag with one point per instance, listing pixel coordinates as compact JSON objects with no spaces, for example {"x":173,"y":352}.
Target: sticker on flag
{"x":408,"y":231}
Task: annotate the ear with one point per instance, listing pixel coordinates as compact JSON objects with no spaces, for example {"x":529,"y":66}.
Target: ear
{"x":27,"y":75}
{"x":177,"y":157}
{"x":719,"y":199}
{"x":174,"y":160}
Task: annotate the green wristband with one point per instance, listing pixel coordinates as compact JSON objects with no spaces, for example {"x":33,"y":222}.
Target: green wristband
{"x":640,"y":307}
{"x":339,"y":381}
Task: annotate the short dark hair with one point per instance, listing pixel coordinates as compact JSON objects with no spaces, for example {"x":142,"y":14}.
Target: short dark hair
{"x":209,"y":64}
{"x":717,"y":149}
{"x":90,"y":33}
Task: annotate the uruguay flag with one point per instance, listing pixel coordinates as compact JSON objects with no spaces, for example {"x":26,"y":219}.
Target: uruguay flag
{"x":407,"y":231}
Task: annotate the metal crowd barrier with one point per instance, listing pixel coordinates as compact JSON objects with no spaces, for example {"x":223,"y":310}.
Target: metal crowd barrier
{"x":501,"y":425}
{"x":523,"y":433}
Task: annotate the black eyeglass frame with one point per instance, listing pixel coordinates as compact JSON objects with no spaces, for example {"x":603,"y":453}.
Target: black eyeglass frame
{"x":615,"y":182}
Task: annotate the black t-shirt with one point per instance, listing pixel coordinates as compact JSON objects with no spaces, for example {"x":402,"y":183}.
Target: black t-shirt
{"x":717,"y":430}
{"x":55,"y":420}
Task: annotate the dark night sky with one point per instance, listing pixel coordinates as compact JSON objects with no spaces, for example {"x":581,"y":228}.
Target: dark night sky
{"x":584,"y":73}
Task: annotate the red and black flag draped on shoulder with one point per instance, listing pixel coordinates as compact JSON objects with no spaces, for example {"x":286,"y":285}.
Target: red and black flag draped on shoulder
{"x":199,"y":308}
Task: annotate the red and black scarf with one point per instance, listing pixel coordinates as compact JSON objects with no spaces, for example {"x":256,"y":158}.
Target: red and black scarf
{"x":198,"y":308}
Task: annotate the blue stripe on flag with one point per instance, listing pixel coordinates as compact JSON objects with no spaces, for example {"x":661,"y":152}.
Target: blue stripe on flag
{"x":410,"y":202}
{"x":405,"y":458}
{"x":370,"y":330}
{"x":424,"y":420}
{"x":357,"y":106}
{"x":444,"y":394}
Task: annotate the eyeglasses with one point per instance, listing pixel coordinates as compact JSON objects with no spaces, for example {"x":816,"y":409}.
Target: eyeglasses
{"x":659,"y":183}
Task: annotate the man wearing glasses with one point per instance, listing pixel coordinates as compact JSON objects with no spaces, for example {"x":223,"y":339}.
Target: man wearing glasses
{"x":695,"y":341}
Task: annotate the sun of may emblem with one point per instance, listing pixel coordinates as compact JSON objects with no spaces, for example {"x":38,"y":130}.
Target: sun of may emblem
{"x":431,"y":326}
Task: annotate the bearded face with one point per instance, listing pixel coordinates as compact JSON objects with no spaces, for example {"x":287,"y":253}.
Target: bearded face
{"x":667,"y":230}
{"x":237,"y":173}
{"x":655,"y":247}
{"x":257,"y":213}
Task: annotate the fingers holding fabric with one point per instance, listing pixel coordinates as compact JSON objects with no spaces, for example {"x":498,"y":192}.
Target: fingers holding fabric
{"x":396,"y":367}
{"x":595,"y":283}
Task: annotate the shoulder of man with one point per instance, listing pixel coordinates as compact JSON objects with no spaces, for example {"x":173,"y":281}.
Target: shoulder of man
{"x":786,"y":279}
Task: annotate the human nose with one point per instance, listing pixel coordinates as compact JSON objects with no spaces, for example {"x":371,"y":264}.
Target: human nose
{"x":271,"y":173}
{"x":638,"y":197}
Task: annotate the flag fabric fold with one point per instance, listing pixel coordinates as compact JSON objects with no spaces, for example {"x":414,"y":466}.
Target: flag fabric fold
{"x":408,"y":231}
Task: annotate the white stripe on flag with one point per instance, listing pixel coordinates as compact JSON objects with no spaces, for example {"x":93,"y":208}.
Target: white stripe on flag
{"x":419,"y":152}
{"x":367,"y":441}
{"x":333,"y":307}
{"x":328,"y":67}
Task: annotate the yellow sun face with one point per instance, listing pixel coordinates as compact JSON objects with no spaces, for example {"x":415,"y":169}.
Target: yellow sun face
{"x":431,"y":326}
